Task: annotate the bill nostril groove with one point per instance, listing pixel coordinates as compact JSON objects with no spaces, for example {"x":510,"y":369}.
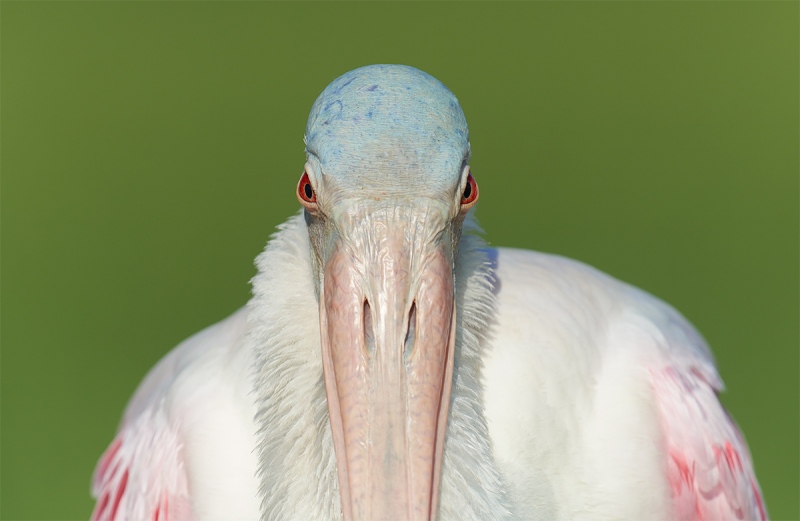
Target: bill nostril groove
{"x":369,"y":332}
{"x":411,"y":332}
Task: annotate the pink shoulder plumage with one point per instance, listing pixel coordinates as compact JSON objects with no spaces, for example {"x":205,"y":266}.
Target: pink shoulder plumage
{"x":710,"y":472}
{"x":141,"y":476}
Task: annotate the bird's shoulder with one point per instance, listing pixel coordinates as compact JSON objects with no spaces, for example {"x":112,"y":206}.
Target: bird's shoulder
{"x":568,"y":294}
{"x":188,"y":426}
{"x":208,"y":355}
{"x":620,"y":386}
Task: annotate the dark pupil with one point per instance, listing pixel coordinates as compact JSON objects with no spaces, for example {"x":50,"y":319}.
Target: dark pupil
{"x":308,"y":191}
{"x":467,"y":191}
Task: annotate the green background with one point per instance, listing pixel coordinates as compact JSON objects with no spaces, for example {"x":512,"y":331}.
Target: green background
{"x":149,"y":149}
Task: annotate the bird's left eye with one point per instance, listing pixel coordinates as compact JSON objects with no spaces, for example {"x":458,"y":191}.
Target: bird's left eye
{"x":470,"y":194}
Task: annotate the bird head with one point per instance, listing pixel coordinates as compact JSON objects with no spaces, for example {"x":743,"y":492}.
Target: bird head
{"x":386,"y":188}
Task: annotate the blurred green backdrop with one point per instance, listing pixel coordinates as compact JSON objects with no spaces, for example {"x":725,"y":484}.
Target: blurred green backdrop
{"x":149,"y":149}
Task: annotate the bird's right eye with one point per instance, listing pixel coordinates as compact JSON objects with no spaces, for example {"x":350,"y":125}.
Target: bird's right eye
{"x":305,"y":192}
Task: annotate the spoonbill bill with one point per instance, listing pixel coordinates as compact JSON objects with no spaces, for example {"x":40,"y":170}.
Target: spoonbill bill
{"x":391,"y":366}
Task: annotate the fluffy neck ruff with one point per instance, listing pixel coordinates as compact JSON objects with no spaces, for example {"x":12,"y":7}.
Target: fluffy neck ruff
{"x":297,"y":466}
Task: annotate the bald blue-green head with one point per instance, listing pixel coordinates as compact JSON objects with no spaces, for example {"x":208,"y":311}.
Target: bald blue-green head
{"x":386,"y":188}
{"x":383,"y":129}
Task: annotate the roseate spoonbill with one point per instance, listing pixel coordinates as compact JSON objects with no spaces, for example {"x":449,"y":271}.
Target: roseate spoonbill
{"x":390,"y":366}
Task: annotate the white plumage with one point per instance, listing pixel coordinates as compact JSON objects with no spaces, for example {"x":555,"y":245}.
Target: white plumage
{"x":574,"y":396}
{"x":574,"y":367}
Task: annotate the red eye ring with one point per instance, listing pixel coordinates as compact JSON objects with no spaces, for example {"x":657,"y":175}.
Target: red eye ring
{"x":305,"y":192}
{"x":470,"y":194}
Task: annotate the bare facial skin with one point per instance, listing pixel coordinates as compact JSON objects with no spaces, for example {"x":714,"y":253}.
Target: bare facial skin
{"x":386,"y":188}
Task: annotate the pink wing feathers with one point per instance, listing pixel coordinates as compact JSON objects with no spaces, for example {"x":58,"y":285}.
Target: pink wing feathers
{"x":141,"y":476}
{"x":709,"y":468}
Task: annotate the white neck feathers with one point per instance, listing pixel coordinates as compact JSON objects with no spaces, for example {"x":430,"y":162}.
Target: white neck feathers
{"x":297,"y":467}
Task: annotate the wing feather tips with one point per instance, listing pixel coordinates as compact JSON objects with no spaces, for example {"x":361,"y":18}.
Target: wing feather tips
{"x":708,"y":466}
{"x":103,"y":466}
{"x":108,"y":483}
{"x":141,"y":476}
